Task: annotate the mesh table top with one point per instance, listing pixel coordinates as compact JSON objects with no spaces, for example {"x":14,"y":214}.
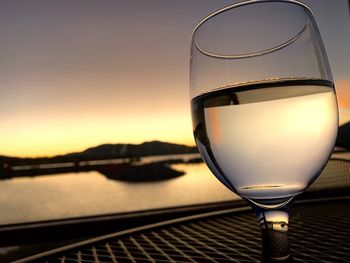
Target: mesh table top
{"x":319,"y":232}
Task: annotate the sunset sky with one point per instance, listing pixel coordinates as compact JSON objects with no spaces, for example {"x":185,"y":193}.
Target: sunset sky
{"x":75,"y":74}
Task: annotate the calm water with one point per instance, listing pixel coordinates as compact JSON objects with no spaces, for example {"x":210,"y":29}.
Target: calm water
{"x":90,"y":193}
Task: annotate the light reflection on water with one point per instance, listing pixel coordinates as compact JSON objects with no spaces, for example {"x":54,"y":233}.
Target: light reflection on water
{"x":90,"y":193}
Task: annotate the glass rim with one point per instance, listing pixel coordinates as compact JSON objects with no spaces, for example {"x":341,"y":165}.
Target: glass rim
{"x":252,"y":54}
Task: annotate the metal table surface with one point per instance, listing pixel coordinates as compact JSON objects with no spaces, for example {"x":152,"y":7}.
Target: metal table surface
{"x":319,"y":232}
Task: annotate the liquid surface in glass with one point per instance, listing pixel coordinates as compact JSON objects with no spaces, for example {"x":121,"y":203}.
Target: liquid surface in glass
{"x":267,"y":140}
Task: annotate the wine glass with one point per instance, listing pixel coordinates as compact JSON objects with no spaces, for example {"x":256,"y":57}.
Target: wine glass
{"x":264,"y":109}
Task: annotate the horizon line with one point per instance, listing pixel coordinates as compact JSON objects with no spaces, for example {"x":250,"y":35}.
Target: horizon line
{"x":86,"y":148}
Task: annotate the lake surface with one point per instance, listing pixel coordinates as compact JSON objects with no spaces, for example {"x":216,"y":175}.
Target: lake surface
{"x":72,"y":195}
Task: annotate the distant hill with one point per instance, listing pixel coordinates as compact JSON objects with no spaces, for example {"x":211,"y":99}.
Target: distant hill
{"x":343,"y":138}
{"x":133,"y":150}
{"x":108,"y":151}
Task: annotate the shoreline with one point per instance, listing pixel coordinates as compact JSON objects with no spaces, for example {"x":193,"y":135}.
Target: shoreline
{"x":131,"y":170}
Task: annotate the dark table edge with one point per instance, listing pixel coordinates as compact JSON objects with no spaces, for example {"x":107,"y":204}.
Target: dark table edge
{"x":167,"y":223}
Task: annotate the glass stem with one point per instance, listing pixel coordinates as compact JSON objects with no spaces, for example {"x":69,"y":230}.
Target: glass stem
{"x":274,"y":231}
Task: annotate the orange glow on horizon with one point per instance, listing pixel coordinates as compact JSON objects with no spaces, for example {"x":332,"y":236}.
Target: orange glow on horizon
{"x":343,"y":97}
{"x":40,"y":137}
{"x":343,"y":93}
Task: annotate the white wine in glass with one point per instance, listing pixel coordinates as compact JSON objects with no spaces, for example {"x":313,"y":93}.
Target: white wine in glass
{"x":264,"y":109}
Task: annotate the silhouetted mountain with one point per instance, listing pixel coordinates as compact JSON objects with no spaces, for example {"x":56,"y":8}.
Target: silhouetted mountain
{"x":133,"y":150}
{"x":343,"y":138}
{"x":107,"y":151}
